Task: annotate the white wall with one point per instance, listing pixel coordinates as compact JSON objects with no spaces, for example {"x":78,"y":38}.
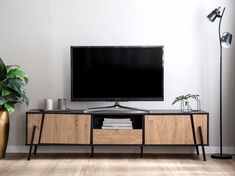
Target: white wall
{"x":37,"y":35}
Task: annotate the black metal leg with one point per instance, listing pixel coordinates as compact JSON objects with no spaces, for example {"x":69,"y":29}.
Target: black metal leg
{"x":197,"y":150}
{"x":40,"y":134}
{"x":31,"y":144}
{"x":92,"y":150}
{"x":141,"y":151}
{"x":194,"y":135}
{"x":202,"y":143}
{"x":35,"y":149}
{"x":41,"y":128}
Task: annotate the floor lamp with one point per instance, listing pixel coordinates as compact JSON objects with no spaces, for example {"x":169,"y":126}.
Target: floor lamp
{"x":225,"y":41}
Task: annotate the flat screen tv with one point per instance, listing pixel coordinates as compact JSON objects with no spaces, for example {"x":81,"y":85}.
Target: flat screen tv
{"x":117,"y":73}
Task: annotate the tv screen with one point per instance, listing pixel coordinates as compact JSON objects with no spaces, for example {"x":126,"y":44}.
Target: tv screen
{"x":117,"y":73}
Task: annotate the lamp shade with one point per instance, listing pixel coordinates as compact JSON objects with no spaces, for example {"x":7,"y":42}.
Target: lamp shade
{"x":214,"y":14}
{"x":226,"y":40}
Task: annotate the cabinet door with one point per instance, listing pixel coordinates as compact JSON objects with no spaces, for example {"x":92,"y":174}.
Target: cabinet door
{"x":168,"y":129}
{"x":66,"y":129}
{"x":33,"y":120}
{"x":174,"y":129}
{"x":202,"y":121}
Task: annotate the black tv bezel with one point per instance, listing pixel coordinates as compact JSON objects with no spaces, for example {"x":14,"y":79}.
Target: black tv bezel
{"x":116,"y":99}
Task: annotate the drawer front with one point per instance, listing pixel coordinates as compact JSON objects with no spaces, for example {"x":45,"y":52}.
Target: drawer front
{"x":66,"y":129}
{"x":33,"y":120}
{"x":117,"y":136}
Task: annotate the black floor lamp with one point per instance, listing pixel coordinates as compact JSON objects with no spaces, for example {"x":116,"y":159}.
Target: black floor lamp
{"x":225,"y":41}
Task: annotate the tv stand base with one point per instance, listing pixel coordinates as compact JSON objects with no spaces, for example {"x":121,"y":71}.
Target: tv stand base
{"x":114,"y":107}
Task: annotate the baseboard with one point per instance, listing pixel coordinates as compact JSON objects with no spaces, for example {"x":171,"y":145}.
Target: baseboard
{"x":228,"y":150}
{"x":120,"y":149}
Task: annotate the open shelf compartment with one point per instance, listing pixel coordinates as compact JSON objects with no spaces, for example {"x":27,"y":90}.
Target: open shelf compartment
{"x":137,"y":120}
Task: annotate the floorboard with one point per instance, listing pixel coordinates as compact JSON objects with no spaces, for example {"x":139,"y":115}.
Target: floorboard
{"x":114,"y":165}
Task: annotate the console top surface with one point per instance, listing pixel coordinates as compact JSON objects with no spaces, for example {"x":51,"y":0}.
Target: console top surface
{"x":115,"y":111}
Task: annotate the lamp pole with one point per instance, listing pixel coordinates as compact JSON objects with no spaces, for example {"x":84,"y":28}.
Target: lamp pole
{"x":221,"y":84}
{"x":221,"y":155}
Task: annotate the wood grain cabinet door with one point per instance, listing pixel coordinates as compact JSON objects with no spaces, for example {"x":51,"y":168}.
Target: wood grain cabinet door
{"x":66,"y":129}
{"x":168,"y":129}
{"x":33,"y":120}
{"x":173,"y":129}
{"x":202,"y":121}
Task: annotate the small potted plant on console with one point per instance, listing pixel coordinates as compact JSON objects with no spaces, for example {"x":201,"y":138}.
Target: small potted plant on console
{"x":184,"y":99}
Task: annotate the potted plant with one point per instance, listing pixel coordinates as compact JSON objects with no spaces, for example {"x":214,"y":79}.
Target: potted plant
{"x":12,"y":90}
{"x":185,"y":101}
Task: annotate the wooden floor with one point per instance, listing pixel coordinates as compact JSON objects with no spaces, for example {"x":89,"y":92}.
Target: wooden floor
{"x":114,"y":165}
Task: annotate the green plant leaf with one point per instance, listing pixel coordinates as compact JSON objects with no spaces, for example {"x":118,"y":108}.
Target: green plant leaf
{"x":16,"y":85}
{"x":3,"y":70}
{"x":17,"y":98}
{"x":2,"y":100}
{"x":25,"y":99}
{"x":17,"y":73}
{"x":9,"y":67}
{"x":179,"y":98}
{"x":185,"y":98}
{"x":12,"y":86}
{"x":6,"y":91}
{"x":14,"y":98}
{"x":10,"y":107}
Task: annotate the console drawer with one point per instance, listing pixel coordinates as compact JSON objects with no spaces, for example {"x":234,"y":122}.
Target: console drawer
{"x":101,"y":136}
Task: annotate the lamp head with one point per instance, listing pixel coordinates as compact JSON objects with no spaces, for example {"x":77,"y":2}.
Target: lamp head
{"x":226,"y":40}
{"x":214,"y":14}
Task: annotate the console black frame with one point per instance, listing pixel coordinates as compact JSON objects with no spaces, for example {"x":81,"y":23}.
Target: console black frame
{"x":110,"y":114}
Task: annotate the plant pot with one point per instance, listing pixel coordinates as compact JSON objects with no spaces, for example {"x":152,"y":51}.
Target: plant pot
{"x":185,"y":106}
{"x":4,"y":132}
